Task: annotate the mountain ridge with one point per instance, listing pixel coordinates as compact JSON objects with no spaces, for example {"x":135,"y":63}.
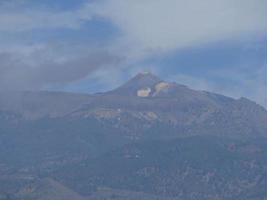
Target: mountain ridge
{"x":145,"y":101}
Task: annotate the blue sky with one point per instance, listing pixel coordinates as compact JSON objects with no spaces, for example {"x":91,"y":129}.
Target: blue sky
{"x":96,"y":45}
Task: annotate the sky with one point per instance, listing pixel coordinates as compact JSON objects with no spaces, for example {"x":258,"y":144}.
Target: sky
{"x":95,"y":45}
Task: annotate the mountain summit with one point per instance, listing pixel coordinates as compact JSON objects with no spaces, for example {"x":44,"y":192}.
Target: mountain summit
{"x":144,"y":79}
{"x":142,"y":84}
{"x":146,"y":84}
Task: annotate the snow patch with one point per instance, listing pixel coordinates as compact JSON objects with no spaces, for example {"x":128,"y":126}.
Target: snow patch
{"x":145,"y":92}
{"x":161,"y":87}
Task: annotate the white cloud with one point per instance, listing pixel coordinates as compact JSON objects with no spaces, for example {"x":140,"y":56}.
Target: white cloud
{"x":151,"y":25}
{"x":154,"y":25}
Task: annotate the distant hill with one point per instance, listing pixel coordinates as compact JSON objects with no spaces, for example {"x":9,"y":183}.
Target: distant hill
{"x":39,"y":104}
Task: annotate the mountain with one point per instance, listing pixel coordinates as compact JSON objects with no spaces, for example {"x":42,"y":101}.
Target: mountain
{"x":41,"y":126}
{"x":147,"y":139}
{"x":147,"y":101}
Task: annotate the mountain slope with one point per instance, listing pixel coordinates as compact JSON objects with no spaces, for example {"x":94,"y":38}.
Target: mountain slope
{"x":47,"y":189}
{"x":191,"y":168}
